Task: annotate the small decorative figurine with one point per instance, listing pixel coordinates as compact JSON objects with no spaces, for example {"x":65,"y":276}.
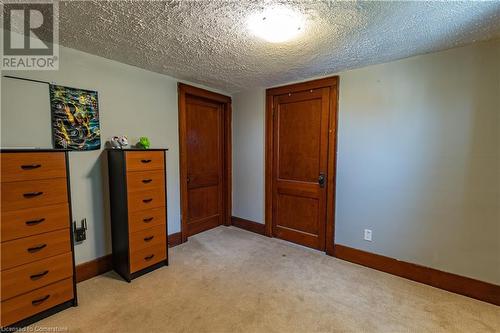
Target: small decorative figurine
{"x":143,"y":142}
{"x":119,"y":142}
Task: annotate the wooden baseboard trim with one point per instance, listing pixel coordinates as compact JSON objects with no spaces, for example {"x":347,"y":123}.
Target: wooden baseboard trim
{"x":174,"y":239}
{"x":93,"y":268}
{"x":248,"y":225}
{"x":462,"y":285}
{"x":104,"y":264}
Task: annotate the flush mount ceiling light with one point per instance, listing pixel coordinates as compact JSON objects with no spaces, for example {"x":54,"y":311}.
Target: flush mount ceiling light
{"x":276,"y":25}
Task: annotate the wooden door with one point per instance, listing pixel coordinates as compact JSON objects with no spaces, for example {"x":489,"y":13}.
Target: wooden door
{"x":300,"y":166}
{"x":205,"y":159}
{"x":204,"y":143}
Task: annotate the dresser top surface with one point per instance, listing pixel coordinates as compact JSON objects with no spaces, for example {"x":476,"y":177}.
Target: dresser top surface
{"x":32,"y":150}
{"x":137,"y":149}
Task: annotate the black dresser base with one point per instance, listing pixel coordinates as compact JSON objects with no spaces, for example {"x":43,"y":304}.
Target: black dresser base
{"x":144,"y":271}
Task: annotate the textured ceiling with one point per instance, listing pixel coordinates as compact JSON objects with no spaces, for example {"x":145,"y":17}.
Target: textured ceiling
{"x":208,"y":42}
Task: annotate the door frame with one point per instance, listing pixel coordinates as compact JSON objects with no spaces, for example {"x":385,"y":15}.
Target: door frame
{"x":333,"y":84}
{"x":185,"y":90}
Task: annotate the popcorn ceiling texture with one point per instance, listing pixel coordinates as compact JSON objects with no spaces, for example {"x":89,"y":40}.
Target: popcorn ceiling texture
{"x":208,"y":42}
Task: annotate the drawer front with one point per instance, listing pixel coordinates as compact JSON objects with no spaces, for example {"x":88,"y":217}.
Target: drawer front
{"x":32,"y":166}
{"x":36,"y":301}
{"x":28,"y":222}
{"x":144,"y":219}
{"x":19,"y":280}
{"x":144,"y":160}
{"x":142,"y":200}
{"x":147,"y":238}
{"x":25,"y":250}
{"x":145,"y":180}
{"x":147,"y":257}
{"x":36,"y":193}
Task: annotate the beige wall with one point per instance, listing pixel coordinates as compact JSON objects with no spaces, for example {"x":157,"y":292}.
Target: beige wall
{"x":132,"y":102}
{"x":418,"y":159}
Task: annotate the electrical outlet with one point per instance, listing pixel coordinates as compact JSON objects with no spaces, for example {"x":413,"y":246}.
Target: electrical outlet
{"x":368,"y":235}
{"x":80,"y":232}
{"x":80,"y":235}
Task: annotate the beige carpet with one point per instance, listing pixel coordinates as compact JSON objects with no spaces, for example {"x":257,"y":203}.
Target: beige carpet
{"x":231,"y":280}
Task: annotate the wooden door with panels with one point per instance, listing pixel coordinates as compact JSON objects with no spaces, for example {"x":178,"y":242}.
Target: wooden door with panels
{"x":204,"y":119}
{"x":300,"y":163}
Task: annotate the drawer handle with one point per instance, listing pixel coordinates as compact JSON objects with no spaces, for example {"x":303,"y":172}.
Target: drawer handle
{"x":148,"y":219}
{"x":147,"y":200}
{"x":147,"y":181}
{"x":35,"y":222}
{"x":39,"y":275}
{"x":32,"y":194}
{"x":30,"y":166}
{"x":36,"y":248}
{"x":40,"y":300}
{"x":149,"y":257}
{"x":146,"y":161}
{"x":147,"y":239}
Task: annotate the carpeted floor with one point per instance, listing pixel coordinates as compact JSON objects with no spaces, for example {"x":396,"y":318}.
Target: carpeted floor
{"x":231,"y":280}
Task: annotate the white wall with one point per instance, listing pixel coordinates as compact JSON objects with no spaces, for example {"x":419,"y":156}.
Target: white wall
{"x":418,"y":159}
{"x":248,"y":155}
{"x":132,"y":102}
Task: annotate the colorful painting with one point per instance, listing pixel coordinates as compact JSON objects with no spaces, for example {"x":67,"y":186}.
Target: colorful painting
{"x":75,"y":118}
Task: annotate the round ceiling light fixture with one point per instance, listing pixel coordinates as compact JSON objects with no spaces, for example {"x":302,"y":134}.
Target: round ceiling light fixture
{"x":276,"y":24}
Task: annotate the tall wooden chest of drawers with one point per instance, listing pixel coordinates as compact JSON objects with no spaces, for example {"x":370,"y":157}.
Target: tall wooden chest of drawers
{"x":138,"y":210}
{"x":37,"y":257}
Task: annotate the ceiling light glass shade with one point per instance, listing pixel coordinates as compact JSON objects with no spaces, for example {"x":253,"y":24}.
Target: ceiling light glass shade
{"x":276,"y":25}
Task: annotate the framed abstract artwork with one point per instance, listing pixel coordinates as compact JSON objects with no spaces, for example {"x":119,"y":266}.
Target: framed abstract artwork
{"x":75,"y":118}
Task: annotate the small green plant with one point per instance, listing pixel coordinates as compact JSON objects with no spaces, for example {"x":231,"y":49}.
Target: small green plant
{"x":144,"y":142}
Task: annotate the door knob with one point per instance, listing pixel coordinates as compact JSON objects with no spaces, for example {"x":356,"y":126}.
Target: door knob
{"x":321,"y":179}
